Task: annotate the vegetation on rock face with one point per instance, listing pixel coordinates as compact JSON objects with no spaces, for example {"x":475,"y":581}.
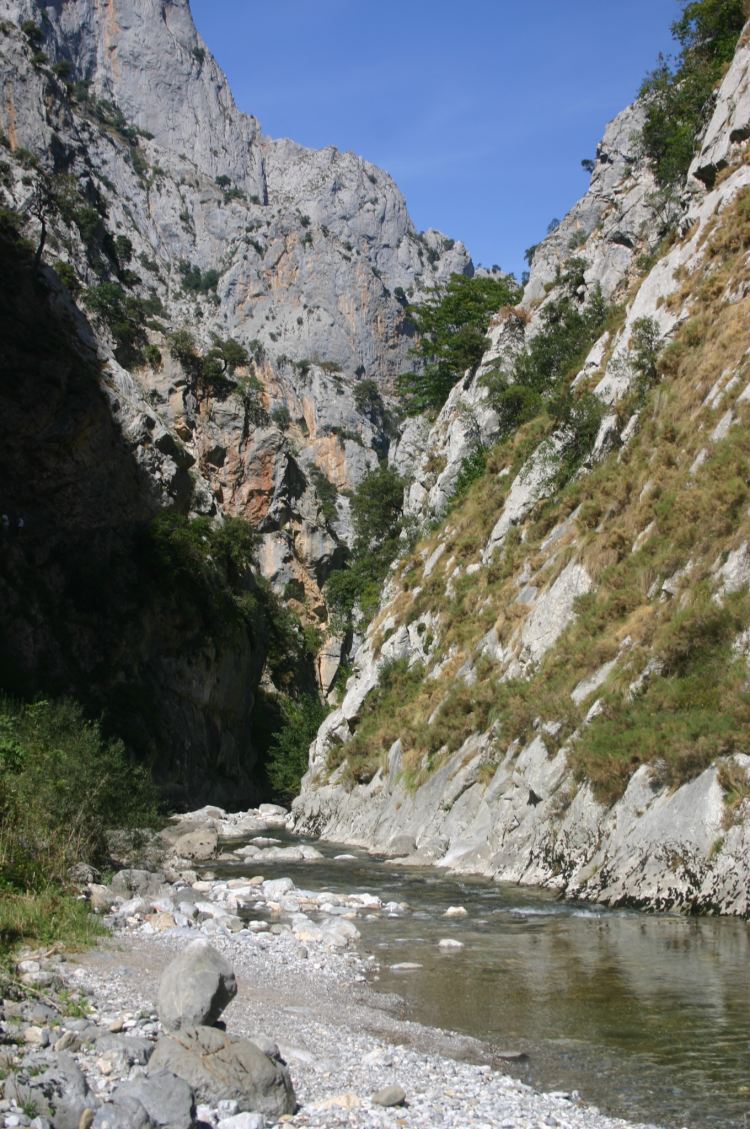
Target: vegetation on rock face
{"x":679,"y":92}
{"x":538,"y":384}
{"x":376,"y":508}
{"x":214,"y":372}
{"x":287,"y":758}
{"x":653,"y":522}
{"x":451,"y":326}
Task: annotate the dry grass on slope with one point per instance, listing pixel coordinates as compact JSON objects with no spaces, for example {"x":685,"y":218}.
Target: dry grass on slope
{"x":652,"y":523}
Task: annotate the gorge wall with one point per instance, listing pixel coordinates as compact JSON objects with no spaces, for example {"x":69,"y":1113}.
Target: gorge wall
{"x":172,"y":228}
{"x":204,"y":322}
{"x":554,"y":689}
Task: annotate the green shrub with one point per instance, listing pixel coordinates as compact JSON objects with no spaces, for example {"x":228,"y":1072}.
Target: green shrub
{"x":152,"y":355}
{"x":250,"y":391}
{"x":367,"y":398}
{"x":678,"y":93}
{"x":33,"y":33}
{"x":327,"y":493}
{"x":377,"y":507}
{"x":211,"y":369}
{"x":196,"y":281}
{"x":645,"y":348}
{"x":66,"y":272}
{"x":63,"y":69}
{"x":89,"y":223}
{"x":472,"y":469}
{"x":538,"y":381}
{"x":124,"y":315}
{"x":61,"y":786}
{"x":198,"y":549}
{"x":123,"y":249}
{"x":451,"y":325}
{"x":281,"y":417}
{"x":288,"y":754}
{"x":182,"y":346}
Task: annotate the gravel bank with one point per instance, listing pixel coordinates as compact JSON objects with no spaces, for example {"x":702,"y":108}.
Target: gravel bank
{"x":340,"y":1045}
{"x":354,"y":1059}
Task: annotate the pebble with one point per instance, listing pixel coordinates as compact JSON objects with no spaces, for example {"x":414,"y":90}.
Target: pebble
{"x":449,"y":943}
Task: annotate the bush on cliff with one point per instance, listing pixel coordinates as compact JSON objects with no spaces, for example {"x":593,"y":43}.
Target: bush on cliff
{"x":377,"y":506}
{"x":538,"y":383}
{"x":679,"y":92}
{"x":451,"y":325}
{"x":287,"y":756}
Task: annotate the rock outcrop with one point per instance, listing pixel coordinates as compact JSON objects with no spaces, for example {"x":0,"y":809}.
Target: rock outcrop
{"x":308,"y":256}
{"x":480,"y":627}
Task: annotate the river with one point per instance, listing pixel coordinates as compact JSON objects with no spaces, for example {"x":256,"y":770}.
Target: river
{"x":647,"y":1016}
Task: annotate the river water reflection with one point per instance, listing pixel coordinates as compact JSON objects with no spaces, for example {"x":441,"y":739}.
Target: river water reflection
{"x":647,"y":1016}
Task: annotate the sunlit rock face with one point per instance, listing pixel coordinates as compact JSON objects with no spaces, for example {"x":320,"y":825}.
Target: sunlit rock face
{"x":509,"y":802}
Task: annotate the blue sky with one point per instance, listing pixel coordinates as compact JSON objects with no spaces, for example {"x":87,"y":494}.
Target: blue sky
{"x":481,"y":110}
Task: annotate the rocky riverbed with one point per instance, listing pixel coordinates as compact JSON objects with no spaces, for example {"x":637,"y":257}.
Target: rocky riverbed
{"x":105,"y":1038}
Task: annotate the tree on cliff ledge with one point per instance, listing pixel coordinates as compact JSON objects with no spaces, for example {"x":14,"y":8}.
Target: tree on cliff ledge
{"x":451,"y":326}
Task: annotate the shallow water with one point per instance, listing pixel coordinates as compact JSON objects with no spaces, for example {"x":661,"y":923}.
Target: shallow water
{"x":647,"y":1016}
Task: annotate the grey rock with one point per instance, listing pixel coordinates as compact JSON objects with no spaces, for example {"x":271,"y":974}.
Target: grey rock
{"x":167,"y":1099}
{"x":48,"y":1080}
{"x":133,"y":1049}
{"x":219,"y":1066}
{"x":197,"y":844}
{"x":729,"y":126}
{"x":74,"y":1111}
{"x":243,"y":1121}
{"x":195,"y":987}
{"x":275,"y":888}
{"x":122,"y":1113}
{"x":302,"y":232}
{"x":138,"y":883}
{"x":390,"y":1096}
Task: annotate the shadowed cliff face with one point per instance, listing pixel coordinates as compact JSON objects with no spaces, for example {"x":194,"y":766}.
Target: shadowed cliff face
{"x":170,"y":212}
{"x":312,"y":256}
{"x":84,"y":607}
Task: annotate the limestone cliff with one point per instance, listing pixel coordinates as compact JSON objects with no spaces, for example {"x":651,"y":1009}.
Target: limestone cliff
{"x":553,"y":691}
{"x":206,"y":302}
{"x":304,"y":257}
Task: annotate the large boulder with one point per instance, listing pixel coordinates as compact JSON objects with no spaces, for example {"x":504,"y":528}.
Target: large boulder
{"x":51,"y":1083}
{"x":195,"y":988}
{"x":167,"y":1099}
{"x":221,"y":1067}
